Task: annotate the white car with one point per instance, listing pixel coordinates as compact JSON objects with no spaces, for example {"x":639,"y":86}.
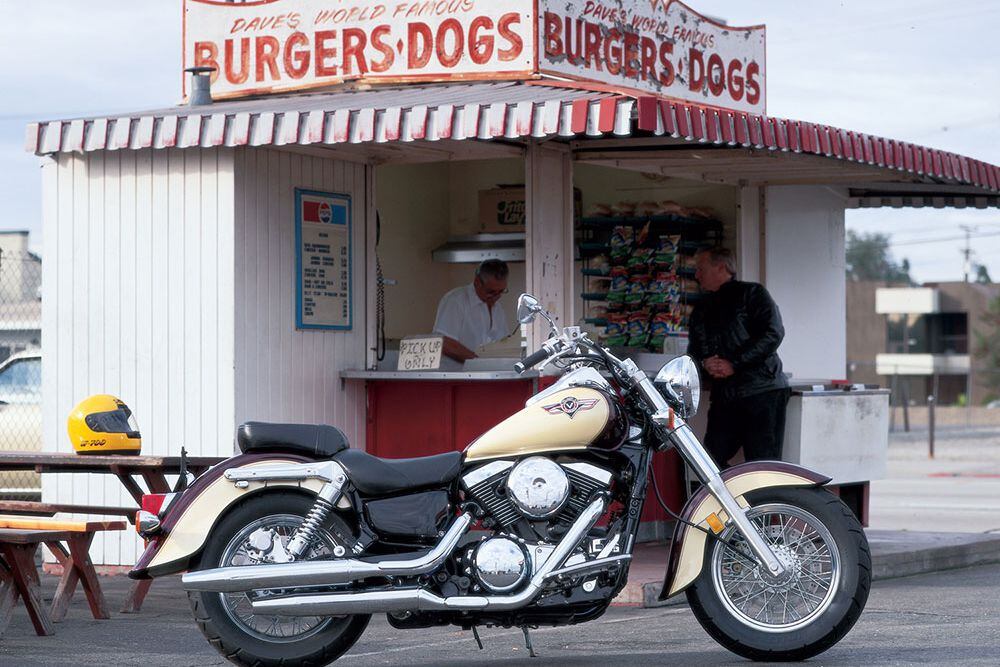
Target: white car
{"x":21,"y":414}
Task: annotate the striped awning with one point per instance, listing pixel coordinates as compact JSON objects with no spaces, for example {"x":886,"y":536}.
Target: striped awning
{"x":703,"y":124}
{"x":456,"y":111}
{"x":491,"y":110}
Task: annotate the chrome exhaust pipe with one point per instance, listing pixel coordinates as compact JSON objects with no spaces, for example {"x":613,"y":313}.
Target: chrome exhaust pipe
{"x":324,"y":572}
{"x":418,"y":599}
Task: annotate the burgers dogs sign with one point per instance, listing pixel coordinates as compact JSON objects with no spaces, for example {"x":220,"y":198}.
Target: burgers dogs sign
{"x":650,"y":46}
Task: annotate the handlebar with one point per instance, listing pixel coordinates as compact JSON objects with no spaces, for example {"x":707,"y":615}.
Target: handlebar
{"x":532,"y":360}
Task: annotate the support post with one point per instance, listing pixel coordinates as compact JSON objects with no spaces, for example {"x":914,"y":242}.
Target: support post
{"x":931,"y":400}
{"x":549,"y":248}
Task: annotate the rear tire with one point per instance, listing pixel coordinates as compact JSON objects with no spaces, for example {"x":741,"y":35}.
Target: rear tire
{"x":250,"y":640}
{"x":803,"y":616}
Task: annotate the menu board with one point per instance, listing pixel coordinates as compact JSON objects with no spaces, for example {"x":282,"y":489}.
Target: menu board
{"x":323,"y":296}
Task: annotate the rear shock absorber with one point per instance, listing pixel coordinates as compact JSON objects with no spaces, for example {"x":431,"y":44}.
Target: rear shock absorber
{"x":307,"y":531}
{"x":320,"y":510}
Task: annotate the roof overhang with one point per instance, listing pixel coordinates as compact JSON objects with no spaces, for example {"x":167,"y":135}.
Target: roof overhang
{"x":603,"y":126}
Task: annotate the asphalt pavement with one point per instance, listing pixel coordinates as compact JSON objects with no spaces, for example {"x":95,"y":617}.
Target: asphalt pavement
{"x":942,"y":618}
{"x":958,"y":490}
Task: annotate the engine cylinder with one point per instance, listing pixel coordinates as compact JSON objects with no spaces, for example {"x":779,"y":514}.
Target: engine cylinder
{"x":538,"y":487}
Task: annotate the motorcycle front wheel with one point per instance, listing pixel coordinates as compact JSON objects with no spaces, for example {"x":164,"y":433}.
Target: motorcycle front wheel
{"x":812,"y":605}
{"x":227,"y":619}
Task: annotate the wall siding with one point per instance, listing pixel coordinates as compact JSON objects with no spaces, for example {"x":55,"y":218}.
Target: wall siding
{"x":283,"y":374}
{"x":138,"y":296}
{"x":804,"y":236}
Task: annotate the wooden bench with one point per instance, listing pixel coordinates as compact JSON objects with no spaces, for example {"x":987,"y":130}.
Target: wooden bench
{"x":69,"y":542}
{"x":51,"y":509}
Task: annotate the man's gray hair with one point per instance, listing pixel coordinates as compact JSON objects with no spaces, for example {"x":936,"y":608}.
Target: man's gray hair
{"x":720,"y":255}
{"x":493,"y":268}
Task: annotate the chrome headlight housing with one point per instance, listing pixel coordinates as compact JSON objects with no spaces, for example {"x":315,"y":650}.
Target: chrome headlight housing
{"x":679,"y":383}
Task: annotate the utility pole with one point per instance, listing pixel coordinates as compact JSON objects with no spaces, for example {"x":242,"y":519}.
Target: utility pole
{"x":967,"y":252}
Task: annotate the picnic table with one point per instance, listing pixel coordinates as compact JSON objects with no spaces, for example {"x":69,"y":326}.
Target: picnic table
{"x":70,"y":542}
{"x":153,"y":470}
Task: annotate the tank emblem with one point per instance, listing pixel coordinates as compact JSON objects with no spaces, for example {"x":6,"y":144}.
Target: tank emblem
{"x":569,"y":406}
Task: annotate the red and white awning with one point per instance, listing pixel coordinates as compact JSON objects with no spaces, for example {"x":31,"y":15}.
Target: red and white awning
{"x":485,"y":111}
{"x":457,"y":111}
{"x":704,"y":124}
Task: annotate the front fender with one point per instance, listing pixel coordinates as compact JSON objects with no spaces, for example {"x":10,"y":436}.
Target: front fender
{"x":687,"y":548}
{"x":190,"y":520}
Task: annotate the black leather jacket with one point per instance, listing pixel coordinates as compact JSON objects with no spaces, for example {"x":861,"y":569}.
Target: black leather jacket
{"x":740,"y":323}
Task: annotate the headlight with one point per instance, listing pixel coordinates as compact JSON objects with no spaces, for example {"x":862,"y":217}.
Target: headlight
{"x":678,"y":380}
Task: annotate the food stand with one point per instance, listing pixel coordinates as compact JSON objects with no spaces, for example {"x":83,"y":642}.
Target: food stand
{"x":187,"y":275}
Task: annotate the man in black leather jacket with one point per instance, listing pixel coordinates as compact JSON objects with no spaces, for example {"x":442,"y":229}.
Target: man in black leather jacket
{"x":735,"y":330}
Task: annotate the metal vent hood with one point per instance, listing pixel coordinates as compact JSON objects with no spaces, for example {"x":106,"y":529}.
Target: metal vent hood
{"x":474,"y":249}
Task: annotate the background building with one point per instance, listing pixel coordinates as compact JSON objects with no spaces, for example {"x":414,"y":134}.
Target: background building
{"x":919,"y":340}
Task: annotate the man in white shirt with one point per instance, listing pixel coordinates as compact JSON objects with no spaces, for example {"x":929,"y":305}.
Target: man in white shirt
{"x":468,"y":317}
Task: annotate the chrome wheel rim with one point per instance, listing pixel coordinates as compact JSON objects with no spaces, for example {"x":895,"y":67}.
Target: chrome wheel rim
{"x":779,"y":604}
{"x":271,"y":628}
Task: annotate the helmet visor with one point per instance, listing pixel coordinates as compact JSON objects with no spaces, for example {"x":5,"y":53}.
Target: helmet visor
{"x":113,"y":421}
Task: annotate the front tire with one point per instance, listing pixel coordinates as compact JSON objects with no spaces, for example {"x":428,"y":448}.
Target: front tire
{"x":810,"y":609}
{"x":226,"y":619}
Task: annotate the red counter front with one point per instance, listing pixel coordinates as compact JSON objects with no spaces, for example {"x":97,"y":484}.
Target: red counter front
{"x":408,"y":418}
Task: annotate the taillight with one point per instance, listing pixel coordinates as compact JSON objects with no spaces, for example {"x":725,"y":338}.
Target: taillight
{"x":157,"y":503}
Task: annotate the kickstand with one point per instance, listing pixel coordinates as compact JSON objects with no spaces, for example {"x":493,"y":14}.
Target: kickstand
{"x":527,"y":642}
{"x":475,"y":633}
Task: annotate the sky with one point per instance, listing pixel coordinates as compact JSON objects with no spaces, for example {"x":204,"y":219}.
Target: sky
{"x":924,"y":71}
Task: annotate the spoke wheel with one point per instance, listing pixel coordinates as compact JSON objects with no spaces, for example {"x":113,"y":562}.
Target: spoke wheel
{"x":805,"y":610}
{"x":256,"y":532}
{"x":279,"y":529}
{"x":786,"y":603}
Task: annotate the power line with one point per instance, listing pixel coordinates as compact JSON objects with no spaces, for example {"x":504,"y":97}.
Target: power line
{"x":947,"y":238}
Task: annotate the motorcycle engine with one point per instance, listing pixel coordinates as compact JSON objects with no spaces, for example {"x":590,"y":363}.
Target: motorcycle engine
{"x":536,"y":488}
{"x":500,"y":564}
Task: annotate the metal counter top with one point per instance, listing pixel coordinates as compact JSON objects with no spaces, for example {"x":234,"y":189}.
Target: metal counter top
{"x":439,"y":376}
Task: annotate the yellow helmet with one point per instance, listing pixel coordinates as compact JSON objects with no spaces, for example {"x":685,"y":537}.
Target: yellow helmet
{"x":102,"y":424}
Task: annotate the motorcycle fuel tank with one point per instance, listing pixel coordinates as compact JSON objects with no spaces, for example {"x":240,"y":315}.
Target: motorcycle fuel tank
{"x":574,"y":418}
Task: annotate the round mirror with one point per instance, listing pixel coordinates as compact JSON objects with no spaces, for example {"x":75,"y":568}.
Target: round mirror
{"x":527,"y":306}
{"x":678,"y":381}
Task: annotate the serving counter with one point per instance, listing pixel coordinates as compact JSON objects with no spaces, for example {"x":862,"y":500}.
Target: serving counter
{"x":418,"y":413}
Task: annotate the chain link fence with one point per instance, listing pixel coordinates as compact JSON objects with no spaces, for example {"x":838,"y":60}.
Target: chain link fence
{"x":20,"y":362}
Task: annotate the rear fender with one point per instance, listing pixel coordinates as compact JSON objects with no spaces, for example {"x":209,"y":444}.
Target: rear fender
{"x":687,"y":548}
{"x":191,"y":517}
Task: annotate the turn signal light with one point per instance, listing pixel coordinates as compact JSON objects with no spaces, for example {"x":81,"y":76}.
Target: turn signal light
{"x":715,"y":523}
{"x":147,"y":524}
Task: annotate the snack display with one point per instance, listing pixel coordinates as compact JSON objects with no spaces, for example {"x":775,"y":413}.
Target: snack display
{"x":644,"y":272}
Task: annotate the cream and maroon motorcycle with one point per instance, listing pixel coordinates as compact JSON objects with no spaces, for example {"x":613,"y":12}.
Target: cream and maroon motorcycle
{"x":292,"y":545}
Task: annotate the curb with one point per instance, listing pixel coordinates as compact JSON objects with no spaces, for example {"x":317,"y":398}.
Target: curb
{"x":894,"y":554}
{"x":932,"y":553}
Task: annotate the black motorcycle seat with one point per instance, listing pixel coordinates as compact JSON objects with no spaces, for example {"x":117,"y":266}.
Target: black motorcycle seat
{"x":317,"y":441}
{"x":373,"y":476}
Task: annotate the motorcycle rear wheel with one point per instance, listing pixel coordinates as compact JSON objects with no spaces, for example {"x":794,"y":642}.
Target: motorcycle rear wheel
{"x":806,"y":611}
{"x":226,"y":619}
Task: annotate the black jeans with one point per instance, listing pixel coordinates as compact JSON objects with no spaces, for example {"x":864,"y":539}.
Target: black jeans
{"x":756,"y":423}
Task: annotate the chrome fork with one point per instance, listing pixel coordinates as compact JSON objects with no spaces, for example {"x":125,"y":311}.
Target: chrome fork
{"x":695,"y":455}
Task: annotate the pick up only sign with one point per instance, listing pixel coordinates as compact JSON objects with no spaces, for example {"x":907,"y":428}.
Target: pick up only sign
{"x":653,"y":46}
{"x":279,"y":45}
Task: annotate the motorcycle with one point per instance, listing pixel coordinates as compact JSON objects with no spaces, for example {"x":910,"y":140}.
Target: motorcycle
{"x":290,"y":546}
